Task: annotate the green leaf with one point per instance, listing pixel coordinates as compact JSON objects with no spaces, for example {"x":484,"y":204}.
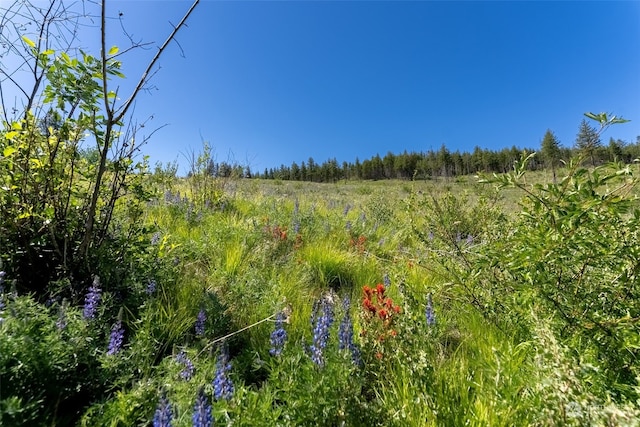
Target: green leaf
{"x":28,"y":41}
{"x":9,"y":150}
{"x":113,"y":50}
{"x":48,"y":52}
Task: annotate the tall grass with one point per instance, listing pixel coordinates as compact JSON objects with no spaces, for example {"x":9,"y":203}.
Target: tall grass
{"x":295,"y":252}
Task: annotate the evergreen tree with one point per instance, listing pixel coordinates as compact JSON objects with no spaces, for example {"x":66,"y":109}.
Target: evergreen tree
{"x":294,"y":172}
{"x":550,"y":150}
{"x":358,"y":169}
{"x":615,"y":149}
{"x":388,"y":165}
{"x":443,"y":159}
{"x":588,"y":141}
{"x":311,"y":169}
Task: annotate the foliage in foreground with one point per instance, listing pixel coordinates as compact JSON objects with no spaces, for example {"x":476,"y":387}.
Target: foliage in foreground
{"x":313,"y":307}
{"x":216,"y":304}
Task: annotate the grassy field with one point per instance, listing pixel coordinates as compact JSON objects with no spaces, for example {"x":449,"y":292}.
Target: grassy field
{"x":390,"y":303}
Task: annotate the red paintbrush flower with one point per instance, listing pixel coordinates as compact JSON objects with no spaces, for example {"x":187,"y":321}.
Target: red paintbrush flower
{"x":368,"y":305}
{"x":367,"y":290}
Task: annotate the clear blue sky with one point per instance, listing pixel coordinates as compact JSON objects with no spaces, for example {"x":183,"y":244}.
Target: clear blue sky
{"x":269,"y":83}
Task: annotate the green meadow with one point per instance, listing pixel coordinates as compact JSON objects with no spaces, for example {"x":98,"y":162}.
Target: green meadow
{"x":134,"y":297}
{"x":503,"y":300}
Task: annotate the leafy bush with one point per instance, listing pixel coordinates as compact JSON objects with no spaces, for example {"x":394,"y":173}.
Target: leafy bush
{"x":48,"y":365}
{"x":573,"y":256}
{"x":57,"y":207}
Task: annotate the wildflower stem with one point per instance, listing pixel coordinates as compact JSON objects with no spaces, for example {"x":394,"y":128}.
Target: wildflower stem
{"x":217,"y":340}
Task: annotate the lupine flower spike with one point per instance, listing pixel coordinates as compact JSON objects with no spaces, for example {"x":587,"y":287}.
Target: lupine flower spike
{"x":92,"y":299}
{"x":222,"y":385}
{"x":187,"y":371}
{"x":429,"y":312}
{"x":323,"y":320}
{"x":386,"y":280}
{"x":116,"y":338}
{"x":278,"y":336}
{"x":345,"y":334}
{"x":155,"y":239}
{"x":163,"y":415}
{"x":200,"y":321}
{"x":151,"y":287}
{"x":202,"y":416}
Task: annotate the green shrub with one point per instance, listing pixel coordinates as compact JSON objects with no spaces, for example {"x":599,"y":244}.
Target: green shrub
{"x":48,"y":366}
{"x":573,"y":256}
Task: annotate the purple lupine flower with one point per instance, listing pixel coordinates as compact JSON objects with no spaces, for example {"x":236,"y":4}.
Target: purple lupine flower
{"x":345,"y":334}
{"x":321,"y":331}
{"x":202,"y":416}
{"x":200,"y":321}
{"x":429,"y":312}
{"x":278,"y":336}
{"x":296,"y":226}
{"x":155,"y":239}
{"x":151,"y":287}
{"x":296,"y":207}
{"x":92,"y":299}
{"x":314,"y":312}
{"x":348,"y":226}
{"x":347,"y":208}
{"x":469,"y":239}
{"x":222,"y":385}
{"x":116,"y":338}
{"x":163,"y":414}
{"x":187,"y":371}
{"x":386,"y":280}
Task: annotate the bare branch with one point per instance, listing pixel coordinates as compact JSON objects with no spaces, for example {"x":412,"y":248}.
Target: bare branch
{"x":52,"y":26}
{"x":144,"y":77}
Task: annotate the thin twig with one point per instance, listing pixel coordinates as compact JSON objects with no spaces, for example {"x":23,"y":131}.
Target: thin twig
{"x":217,"y":340}
{"x":143,"y":79}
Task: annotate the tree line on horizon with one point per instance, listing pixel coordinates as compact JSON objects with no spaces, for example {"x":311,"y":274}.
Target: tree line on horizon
{"x":443,"y":162}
